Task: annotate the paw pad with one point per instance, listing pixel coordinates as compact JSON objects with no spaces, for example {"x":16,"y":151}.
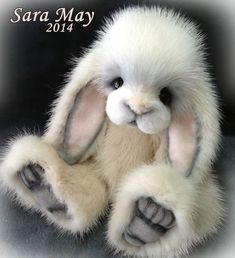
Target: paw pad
{"x":150,"y":221}
{"x":32,"y":176}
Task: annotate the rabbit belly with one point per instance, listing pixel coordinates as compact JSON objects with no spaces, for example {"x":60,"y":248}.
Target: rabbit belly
{"x":124,"y":149}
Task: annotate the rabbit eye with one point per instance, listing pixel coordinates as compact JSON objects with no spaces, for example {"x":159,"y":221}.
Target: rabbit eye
{"x":117,"y":82}
{"x":166,"y":96}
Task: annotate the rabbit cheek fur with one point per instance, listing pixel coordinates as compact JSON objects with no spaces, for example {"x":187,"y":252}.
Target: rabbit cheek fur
{"x":116,"y":136}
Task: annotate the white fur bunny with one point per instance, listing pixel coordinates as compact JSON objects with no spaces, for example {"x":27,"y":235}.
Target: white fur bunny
{"x":138,"y":126}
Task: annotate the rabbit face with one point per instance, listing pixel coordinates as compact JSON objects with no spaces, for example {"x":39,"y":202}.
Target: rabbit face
{"x":137,"y":95}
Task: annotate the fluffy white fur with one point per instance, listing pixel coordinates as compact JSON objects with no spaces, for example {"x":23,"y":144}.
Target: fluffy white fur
{"x":167,"y":156}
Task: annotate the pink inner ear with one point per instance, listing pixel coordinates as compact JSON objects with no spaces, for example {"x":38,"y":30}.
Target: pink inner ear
{"x":84,"y":123}
{"x":183,"y":142}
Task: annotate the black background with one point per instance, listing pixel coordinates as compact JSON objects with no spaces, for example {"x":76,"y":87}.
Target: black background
{"x":36,"y":62}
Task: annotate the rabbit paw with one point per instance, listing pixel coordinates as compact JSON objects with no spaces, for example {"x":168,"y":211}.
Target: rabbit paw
{"x":149,"y":223}
{"x":32,"y":177}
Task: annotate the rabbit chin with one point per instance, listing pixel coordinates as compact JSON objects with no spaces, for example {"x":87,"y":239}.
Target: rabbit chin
{"x":148,"y":127}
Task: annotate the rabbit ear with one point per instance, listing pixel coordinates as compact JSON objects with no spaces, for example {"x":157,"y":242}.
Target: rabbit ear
{"x":83,"y":124}
{"x":184,"y":137}
{"x":79,"y":113}
{"x":194,"y":132}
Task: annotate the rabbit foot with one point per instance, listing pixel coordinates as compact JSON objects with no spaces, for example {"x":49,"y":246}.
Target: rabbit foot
{"x":149,"y":223}
{"x":32,"y":177}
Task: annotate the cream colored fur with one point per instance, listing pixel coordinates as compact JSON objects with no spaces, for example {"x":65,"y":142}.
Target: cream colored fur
{"x":124,"y":164}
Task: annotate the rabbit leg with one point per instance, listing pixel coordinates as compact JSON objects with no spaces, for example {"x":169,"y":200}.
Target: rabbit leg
{"x":71,"y":197}
{"x":159,"y":213}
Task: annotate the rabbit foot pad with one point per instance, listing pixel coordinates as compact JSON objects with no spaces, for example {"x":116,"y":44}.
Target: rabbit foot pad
{"x":149,"y":223}
{"x":32,"y":177}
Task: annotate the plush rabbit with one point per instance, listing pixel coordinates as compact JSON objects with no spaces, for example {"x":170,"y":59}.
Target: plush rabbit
{"x":137,"y":125}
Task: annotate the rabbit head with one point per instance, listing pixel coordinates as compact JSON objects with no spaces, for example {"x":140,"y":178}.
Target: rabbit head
{"x":146,"y":70}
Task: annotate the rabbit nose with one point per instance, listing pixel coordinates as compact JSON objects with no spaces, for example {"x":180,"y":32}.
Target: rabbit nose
{"x":139,"y":109}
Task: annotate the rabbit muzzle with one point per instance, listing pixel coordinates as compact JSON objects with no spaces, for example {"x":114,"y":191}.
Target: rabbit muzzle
{"x":151,"y":116}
